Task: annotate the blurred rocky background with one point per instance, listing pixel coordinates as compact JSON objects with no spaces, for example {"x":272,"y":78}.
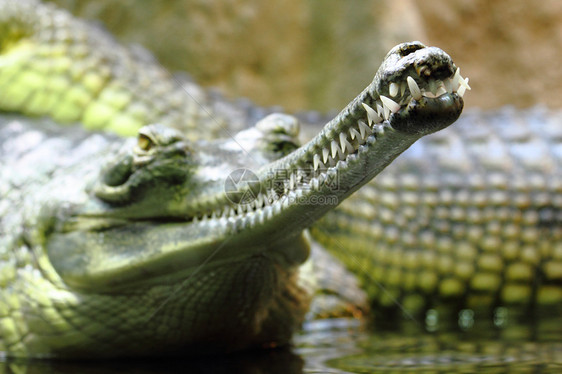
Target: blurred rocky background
{"x":318,"y":54}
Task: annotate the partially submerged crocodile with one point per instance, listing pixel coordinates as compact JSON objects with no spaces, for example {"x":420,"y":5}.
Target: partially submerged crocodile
{"x":152,"y":256}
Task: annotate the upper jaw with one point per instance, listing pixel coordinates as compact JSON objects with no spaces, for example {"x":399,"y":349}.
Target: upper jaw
{"x":358,"y":143}
{"x":428,"y":98}
{"x":416,"y":91}
{"x":413,"y":72}
{"x":430,"y":67}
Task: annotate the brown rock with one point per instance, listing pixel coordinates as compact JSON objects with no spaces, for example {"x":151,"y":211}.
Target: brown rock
{"x":319,"y":54}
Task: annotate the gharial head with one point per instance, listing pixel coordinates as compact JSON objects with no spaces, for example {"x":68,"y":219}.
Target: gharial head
{"x":424,"y":83}
{"x":178,"y":201}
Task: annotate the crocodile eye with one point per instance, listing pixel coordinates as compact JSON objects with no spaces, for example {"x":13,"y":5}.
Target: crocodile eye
{"x":144,"y":142}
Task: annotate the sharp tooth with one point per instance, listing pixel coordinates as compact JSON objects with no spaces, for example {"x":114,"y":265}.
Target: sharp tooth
{"x":292,"y":181}
{"x":381,"y":111}
{"x":393,"y":89}
{"x":343,"y":140}
{"x":463,"y":86}
{"x":325,"y":154}
{"x":270,"y":197}
{"x":354,"y":133}
{"x":224,"y":212}
{"x":349,"y":146}
{"x":440,"y":91}
{"x":335,"y":148}
{"x":286,"y":202}
{"x":252,"y":206}
{"x":372,"y":116}
{"x":457,"y":78}
{"x":422,"y":70}
{"x":386,"y":114}
{"x":315,"y":184}
{"x":299,"y":175}
{"x":271,"y":211}
{"x":344,"y":143}
{"x":261,"y":218}
{"x":277,"y":206}
{"x":464,"y":83}
{"x":390,"y":104}
{"x":414,"y":88}
{"x":403,"y":88}
{"x":259,"y":201}
{"x":364,"y":129}
{"x":316,"y":161}
{"x":448,"y":84}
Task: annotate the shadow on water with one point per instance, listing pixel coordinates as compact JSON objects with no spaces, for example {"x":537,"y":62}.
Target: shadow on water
{"x":281,"y":361}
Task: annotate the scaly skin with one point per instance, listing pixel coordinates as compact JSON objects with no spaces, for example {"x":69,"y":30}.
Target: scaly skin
{"x":476,"y":222}
{"x":55,"y":65}
{"x":493,"y":259}
{"x":151,"y":257}
{"x":150,"y":296}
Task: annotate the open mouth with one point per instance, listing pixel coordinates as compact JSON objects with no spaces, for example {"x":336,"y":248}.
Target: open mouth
{"x":378,"y":115}
{"x":417,"y":91}
{"x":337,"y":151}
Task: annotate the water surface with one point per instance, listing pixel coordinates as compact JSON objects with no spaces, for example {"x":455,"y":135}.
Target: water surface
{"x":527,"y":344}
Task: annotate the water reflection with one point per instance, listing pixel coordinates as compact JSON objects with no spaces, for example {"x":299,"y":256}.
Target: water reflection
{"x":518,"y":344}
{"x":504,"y":341}
{"x":282,"y":361}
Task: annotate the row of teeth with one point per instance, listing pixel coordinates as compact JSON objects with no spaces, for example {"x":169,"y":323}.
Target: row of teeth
{"x":435,"y":88}
{"x":338,"y":153}
{"x":358,"y":135}
{"x":264,"y":203}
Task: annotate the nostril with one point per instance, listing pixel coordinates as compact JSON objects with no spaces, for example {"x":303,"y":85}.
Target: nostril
{"x":442,"y":72}
{"x":408,"y":48}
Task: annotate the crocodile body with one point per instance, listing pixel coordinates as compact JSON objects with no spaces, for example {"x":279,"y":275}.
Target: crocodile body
{"x":72,"y":304}
{"x":471,"y":216}
{"x":90,"y":306}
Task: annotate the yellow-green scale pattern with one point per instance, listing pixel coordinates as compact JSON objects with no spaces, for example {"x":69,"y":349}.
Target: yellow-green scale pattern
{"x":52,"y":64}
{"x":468,"y":220}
